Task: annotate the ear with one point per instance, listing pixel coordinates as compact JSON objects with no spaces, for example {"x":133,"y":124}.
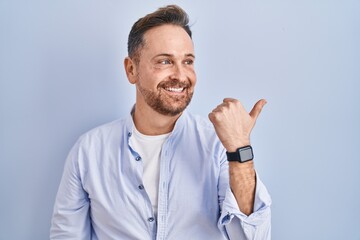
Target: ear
{"x":130,"y":69}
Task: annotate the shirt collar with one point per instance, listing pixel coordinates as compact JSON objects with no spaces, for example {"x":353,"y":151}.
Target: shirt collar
{"x":180,"y":122}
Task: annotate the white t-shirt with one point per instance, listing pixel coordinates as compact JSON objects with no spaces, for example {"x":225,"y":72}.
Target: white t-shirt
{"x":149,"y":149}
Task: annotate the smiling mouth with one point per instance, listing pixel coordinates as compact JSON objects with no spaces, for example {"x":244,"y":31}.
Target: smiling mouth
{"x":174,"y":90}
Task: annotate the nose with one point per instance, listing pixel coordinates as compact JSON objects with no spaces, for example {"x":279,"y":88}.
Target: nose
{"x":179,"y":73}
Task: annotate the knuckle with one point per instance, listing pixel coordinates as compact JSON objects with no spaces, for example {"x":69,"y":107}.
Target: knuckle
{"x":217,"y":117}
{"x":234,"y":104}
{"x":229,"y":104}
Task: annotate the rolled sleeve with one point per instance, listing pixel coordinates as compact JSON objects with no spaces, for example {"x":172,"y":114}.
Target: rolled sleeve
{"x":240,"y":226}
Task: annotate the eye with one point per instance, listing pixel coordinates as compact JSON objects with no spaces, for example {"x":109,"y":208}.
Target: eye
{"x":189,"y":62}
{"x":165,"y":61}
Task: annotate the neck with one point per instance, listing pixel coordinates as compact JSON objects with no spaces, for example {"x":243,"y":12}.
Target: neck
{"x":150,"y":122}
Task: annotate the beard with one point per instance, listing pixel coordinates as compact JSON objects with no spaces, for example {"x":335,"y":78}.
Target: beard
{"x":166,"y":104}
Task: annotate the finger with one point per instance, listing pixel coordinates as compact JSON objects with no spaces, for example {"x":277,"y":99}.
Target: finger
{"x":213,"y":117}
{"x":219,"y":107}
{"x":210,"y":116}
{"x":232,"y":102}
{"x":229,"y":100}
{"x":254,"y":113}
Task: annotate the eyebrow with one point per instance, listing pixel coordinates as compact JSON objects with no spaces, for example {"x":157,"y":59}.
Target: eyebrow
{"x":172,"y":55}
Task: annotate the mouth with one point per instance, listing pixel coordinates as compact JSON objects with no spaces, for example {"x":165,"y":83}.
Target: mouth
{"x":174,"y":89}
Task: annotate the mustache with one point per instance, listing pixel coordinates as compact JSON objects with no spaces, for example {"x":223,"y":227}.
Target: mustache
{"x":174,"y":84}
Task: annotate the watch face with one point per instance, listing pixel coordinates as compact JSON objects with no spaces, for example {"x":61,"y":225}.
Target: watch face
{"x":246,"y":154}
{"x":242,"y":154}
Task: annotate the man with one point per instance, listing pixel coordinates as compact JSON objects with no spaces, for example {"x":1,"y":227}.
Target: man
{"x":163,"y":173}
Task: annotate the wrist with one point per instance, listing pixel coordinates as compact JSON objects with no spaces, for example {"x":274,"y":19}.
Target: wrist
{"x":249,"y":165}
{"x":242,"y":170}
{"x":239,"y":144}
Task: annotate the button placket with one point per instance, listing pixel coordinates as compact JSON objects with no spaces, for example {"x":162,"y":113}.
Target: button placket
{"x":163,"y":191}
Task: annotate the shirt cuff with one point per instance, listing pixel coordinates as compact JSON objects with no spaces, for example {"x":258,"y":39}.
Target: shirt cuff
{"x":262,"y":202}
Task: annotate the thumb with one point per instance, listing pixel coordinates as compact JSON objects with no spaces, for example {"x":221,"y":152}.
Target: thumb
{"x":254,"y":113}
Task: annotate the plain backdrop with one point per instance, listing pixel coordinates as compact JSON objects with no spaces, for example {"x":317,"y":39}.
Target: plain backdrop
{"x":61,"y":71}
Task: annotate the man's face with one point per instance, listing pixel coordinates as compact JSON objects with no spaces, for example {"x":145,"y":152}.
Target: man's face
{"x":165,"y":76}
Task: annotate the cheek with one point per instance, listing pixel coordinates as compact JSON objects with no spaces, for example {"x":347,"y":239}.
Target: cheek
{"x":150,"y":79}
{"x":192,"y":77}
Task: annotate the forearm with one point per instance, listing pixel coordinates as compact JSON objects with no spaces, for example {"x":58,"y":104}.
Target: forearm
{"x":257,"y":225}
{"x":243,"y":184}
{"x":242,"y":179}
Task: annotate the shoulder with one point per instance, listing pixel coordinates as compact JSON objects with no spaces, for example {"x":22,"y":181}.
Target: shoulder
{"x":199,"y":122}
{"x":103,"y":133}
{"x":199,"y":131}
{"x":201,"y":128}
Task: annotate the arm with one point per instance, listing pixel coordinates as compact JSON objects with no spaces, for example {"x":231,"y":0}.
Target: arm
{"x":233,"y":126}
{"x":71,"y":211}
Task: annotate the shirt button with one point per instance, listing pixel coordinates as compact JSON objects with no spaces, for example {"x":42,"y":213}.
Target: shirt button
{"x":138,"y":158}
{"x":141,"y":187}
{"x":129,"y":134}
{"x":151,"y":219}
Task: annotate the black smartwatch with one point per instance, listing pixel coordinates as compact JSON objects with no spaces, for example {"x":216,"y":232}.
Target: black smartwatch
{"x":242,"y":154}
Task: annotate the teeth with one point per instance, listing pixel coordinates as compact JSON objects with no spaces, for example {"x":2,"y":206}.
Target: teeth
{"x":178,"y":90}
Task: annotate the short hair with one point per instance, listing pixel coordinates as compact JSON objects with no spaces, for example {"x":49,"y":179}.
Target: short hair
{"x":171,"y":14}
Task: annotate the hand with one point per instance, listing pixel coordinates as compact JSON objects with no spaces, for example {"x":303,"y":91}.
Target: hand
{"x":233,"y":124}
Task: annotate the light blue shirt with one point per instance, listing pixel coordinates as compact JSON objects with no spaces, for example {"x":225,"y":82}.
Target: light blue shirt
{"x":101,"y":194}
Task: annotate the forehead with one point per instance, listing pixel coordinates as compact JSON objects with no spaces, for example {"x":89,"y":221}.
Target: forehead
{"x":168,"y":39}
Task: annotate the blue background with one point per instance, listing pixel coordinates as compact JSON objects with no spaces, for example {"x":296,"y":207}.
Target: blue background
{"x":61,"y":71}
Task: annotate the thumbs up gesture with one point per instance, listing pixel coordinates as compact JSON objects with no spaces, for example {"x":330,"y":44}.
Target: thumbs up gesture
{"x":233,"y":124}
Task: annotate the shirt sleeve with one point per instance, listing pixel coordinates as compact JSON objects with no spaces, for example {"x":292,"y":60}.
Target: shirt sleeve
{"x":71,"y":218}
{"x":237,"y":225}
